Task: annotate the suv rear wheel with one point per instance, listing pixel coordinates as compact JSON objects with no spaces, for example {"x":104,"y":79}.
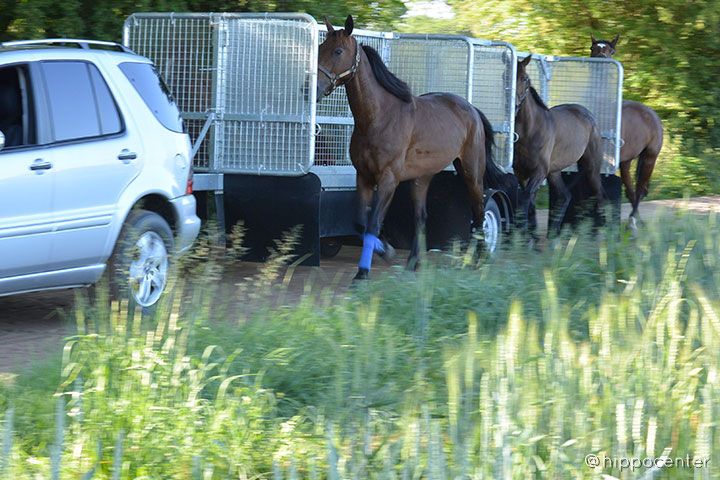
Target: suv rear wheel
{"x":140,"y":264}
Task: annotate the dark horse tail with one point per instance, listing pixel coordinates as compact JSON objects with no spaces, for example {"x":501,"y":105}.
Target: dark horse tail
{"x":494,"y":177}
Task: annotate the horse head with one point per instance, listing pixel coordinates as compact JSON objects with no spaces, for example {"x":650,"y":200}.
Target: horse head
{"x":522,"y":89}
{"x":603,"y":48}
{"x":338,"y":58}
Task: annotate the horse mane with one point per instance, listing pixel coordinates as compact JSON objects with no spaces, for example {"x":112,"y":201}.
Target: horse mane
{"x":537,"y":98}
{"x":385,"y":77}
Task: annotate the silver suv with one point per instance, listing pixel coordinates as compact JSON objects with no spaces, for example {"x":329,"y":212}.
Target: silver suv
{"x":95,"y":169}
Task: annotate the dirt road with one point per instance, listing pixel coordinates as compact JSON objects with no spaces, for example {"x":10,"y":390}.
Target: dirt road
{"x":33,"y":325}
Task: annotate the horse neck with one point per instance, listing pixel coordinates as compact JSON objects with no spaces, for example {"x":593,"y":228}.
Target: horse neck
{"x":365,"y":95}
{"x":529,"y":117}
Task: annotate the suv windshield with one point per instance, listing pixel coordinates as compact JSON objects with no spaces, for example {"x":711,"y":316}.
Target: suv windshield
{"x":151,"y":87}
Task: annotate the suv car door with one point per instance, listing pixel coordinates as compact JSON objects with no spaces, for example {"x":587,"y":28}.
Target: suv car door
{"x":95,"y":156}
{"x":26,"y":184}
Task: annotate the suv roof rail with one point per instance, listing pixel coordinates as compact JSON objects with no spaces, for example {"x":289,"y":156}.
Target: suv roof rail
{"x":84,"y":44}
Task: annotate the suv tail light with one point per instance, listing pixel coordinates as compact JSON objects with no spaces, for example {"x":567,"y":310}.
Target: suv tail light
{"x":189,"y":185}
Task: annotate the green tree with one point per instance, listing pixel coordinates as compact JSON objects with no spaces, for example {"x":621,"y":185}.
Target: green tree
{"x":103,"y":19}
{"x":670,"y":50}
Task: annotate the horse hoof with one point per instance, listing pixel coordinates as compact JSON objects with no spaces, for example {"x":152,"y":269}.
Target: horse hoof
{"x":633,"y":226}
{"x":534,"y":243}
{"x":362,"y":274}
{"x":389,"y":252}
{"x":413,"y":265}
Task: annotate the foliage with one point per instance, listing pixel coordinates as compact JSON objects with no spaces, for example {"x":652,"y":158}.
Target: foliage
{"x":513,"y":367}
{"x":103,"y":20}
{"x":670,"y":52}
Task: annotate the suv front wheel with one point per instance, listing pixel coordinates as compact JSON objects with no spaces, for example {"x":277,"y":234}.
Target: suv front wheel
{"x":139,"y":266}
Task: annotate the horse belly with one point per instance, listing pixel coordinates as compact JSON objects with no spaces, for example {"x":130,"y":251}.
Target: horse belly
{"x":568,"y":148}
{"x":425,"y":160}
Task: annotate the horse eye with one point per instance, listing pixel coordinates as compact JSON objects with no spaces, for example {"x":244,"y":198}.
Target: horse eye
{"x":338,"y":51}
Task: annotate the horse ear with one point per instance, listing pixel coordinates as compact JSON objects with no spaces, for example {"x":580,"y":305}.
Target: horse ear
{"x":615,"y":40}
{"x":328,"y":25}
{"x":349,"y":25}
{"x":592,"y":38}
{"x":525,"y":61}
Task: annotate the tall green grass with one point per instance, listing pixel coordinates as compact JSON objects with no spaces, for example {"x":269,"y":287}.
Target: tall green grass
{"x":512,"y":367}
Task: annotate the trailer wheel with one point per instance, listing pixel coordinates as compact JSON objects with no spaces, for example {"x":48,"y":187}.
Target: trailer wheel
{"x":492,"y":226}
{"x":330,"y":247}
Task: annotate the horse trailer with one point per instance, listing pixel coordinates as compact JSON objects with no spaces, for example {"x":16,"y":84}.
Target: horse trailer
{"x":272,"y":157}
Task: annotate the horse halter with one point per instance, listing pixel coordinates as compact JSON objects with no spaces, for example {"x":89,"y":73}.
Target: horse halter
{"x":350,"y":72}
{"x":524,"y":95}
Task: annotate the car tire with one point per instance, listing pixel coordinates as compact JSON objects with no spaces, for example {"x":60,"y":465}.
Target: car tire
{"x":492,"y":226}
{"x":140,"y":264}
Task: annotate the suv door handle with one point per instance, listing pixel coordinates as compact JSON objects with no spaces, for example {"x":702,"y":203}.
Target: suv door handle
{"x":39,"y":165}
{"x":126,"y":155}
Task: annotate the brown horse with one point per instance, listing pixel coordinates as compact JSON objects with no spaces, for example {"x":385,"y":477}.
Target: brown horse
{"x":550,"y":140}
{"x":641,"y":132}
{"x":398,"y":137}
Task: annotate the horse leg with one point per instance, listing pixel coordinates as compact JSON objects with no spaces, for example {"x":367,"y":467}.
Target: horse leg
{"x":531,"y":220}
{"x":589,"y":165}
{"x":531,"y":188}
{"x":646,"y":164}
{"x":557,"y":216}
{"x":365,"y":192}
{"x":418,"y":191}
{"x":627,"y":181}
{"x":473,"y":179}
{"x":371,"y":243}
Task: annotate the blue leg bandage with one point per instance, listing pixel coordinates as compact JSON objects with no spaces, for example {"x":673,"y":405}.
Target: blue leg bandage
{"x":371,"y":244}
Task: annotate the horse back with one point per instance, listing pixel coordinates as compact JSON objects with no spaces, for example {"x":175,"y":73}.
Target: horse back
{"x":641,"y":129}
{"x":575,"y":129}
{"x":445,"y":116}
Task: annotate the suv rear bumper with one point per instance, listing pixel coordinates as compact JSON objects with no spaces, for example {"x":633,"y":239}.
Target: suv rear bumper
{"x":188,"y":224}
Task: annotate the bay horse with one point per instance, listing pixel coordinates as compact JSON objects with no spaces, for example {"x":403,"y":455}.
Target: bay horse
{"x":548,"y":141}
{"x":641,"y":133}
{"x":399,"y":136}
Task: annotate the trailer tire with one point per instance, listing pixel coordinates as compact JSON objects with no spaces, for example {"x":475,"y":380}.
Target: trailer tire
{"x":492,"y":226}
{"x":330,"y":247}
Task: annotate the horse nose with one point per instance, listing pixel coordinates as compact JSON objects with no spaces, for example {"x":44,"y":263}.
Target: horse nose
{"x":323,"y":88}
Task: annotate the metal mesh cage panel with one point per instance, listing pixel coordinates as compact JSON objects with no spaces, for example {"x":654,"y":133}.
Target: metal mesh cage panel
{"x":183,"y":50}
{"x":255,"y":71}
{"x":431,"y":65}
{"x":540,"y":72}
{"x":265,"y":104}
{"x":595,"y":84}
{"x":492,"y":93}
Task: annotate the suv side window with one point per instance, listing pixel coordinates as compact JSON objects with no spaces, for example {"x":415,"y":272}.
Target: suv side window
{"x":81,"y":105}
{"x":145,"y":78}
{"x":110,"y":121}
{"x":17,"y":120}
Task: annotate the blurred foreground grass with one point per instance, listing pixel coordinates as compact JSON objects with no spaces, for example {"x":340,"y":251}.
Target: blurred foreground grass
{"x":512,"y":367}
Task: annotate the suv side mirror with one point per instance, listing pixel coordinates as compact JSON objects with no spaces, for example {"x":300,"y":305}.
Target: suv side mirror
{"x":2,"y":140}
